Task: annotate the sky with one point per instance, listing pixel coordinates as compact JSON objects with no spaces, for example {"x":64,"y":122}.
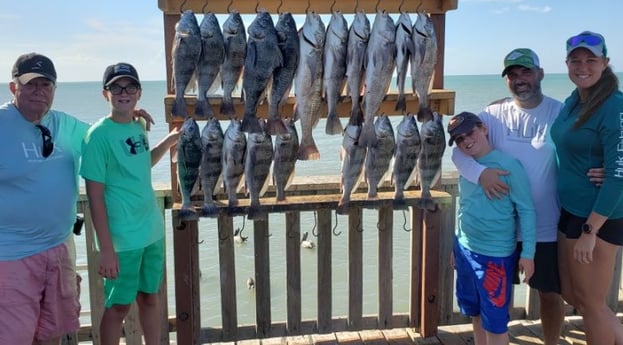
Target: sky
{"x":83,"y":37}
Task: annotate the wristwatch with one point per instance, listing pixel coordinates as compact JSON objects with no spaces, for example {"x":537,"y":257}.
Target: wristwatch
{"x":587,"y":228}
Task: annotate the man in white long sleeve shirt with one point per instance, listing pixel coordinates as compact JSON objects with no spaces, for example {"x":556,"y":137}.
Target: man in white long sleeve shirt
{"x":519,"y":126}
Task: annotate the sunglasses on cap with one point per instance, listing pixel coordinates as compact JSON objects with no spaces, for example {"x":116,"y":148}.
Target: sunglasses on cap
{"x":48,"y":144}
{"x":586,"y":38}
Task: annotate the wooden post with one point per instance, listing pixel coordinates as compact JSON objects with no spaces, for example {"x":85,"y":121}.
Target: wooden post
{"x":325,"y":294}
{"x":355,"y":269}
{"x":229,"y":311}
{"x":430,"y":272}
{"x":262,"y":278}
{"x":415,"y":286}
{"x":385,"y":262}
{"x":293,"y":272}
{"x":186,"y":253}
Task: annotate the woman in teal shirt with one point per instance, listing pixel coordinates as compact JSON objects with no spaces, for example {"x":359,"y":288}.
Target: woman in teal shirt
{"x":588,"y":133}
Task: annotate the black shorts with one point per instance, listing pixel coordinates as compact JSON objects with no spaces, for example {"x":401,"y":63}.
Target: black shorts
{"x":611,"y":231}
{"x":545,"y":277}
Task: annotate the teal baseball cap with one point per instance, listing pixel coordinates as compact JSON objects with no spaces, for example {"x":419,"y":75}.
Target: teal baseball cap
{"x":588,"y":40}
{"x":521,"y":57}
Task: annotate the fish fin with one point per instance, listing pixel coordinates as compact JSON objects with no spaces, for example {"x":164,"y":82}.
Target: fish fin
{"x":227,"y":108}
{"x":334,"y":125}
{"x":367,"y":137}
{"x":187,"y":214}
{"x":178,"y":108}
{"x":290,"y":179}
{"x":209,"y":210}
{"x":275,"y":126}
{"x":308,"y":152}
{"x":264,"y":187}
{"x":203,"y":109}
{"x":250,"y":124}
{"x":401,"y":104}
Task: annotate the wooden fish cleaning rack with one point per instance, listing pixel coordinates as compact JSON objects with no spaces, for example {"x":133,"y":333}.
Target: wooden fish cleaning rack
{"x":317,"y":194}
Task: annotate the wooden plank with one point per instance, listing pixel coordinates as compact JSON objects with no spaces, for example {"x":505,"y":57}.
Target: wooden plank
{"x":430,"y":271}
{"x":162,"y":293}
{"x":446,"y":271}
{"x":385,"y":266}
{"x":521,"y":334}
{"x":447,"y":337}
{"x":397,"y":336}
{"x":299,"y":340}
{"x":325,"y":285}
{"x":293,"y":272}
{"x":262,"y":278}
{"x":324,"y":339}
{"x":96,"y":283}
{"x":132,"y":327}
{"x":227,"y":263}
{"x":373,"y":337}
{"x":351,"y":338}
{"x":440,"y":100}
{"x":415,"y":279}
{"x":323,"y":201}
{"x":355,"y":268}
{"x":186,"y":258}
{"x":278,"y":6}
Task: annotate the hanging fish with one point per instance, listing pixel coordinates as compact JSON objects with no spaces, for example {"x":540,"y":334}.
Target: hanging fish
{"x":429,"y":161}
{"x":257,"y":168}
{"x":308,"y":83}
{"x":209,"y":66}
{"x":404,"y":50}
{"x":185,"y":54}
{"x":358,"y":36}
{"x":188,"y":161}
{"x":234,"y":150}
{"x":283,"y":76}
{"x":423,"y":60}
{"x":379,"y":156}
{"x":352,"y":155}
{"x":211,"y":164}
{"x":286,"y":149}
{"x":334,"y":65}
{"x":263,"y":56}
{"x":235,"y":41}
{"x":380,"y":61}
{"x":408,"y":146}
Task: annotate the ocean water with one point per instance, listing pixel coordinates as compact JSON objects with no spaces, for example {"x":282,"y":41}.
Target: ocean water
{"x":85,"y":101}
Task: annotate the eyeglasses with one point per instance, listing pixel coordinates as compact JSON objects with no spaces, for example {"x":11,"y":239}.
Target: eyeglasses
{"x":117,"y":90}
{"x":48,"y":144}
{"x":588,"y":39}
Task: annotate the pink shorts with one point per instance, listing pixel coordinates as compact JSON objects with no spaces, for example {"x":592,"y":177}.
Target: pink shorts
{"x":38,"y":297}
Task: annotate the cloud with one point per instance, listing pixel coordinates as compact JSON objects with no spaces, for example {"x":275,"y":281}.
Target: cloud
{"x":540,"y":9}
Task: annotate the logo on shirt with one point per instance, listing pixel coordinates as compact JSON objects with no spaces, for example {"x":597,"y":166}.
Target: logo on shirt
{"x":138,"y":144}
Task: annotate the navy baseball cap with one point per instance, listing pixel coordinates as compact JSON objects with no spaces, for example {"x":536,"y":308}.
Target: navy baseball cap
{"x":461,"y":124}
{"x":32,"y":65}
{"x":118,"y":71}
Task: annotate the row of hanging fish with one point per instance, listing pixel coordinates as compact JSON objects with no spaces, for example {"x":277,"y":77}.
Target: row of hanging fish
{"x":322,"y":64}
{"x":220,"y":159}
{"x":416,"y":155}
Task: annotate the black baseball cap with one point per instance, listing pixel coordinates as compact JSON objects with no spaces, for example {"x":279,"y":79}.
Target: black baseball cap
{"x":461,"y":124}
{"x":32,"y":65}
{"x":118,"y":71}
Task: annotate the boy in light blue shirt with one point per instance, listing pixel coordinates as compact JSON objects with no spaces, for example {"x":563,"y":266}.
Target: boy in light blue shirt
{"x":484,"y":251}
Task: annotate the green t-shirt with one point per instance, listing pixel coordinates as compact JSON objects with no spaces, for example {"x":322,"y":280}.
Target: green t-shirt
{"x":118,"y":155}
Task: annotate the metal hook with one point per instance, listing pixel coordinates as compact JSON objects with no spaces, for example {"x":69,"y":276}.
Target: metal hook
{"x":356,"y":6}
{"x":308,"y":6}
{"x":400,"y":6}
{"x":332,"y":5}
{"x":201,"y":242}
{"x":315,"y":228}
{"x":229,"y":6}
{"x":378,"y":227}
{"x":279,"y":7}
{"x":404,"y":225}
{"x":203,"y":9}
{"x":376,"y":8}
{"x":257,"y":5}
{"x":182,"y":6}
{"x":335,"y":227}
{"x":417,"y":9}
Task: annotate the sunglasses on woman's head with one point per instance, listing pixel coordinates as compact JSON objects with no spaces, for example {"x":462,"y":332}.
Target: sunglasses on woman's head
{"x":48,"y":144}
{"x":589,"y":39}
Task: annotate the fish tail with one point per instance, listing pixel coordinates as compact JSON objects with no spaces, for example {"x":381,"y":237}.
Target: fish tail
{"x":203,"y":109}
{"x":250,"y":124}
{"x":367,"y":138}
{"x":254,"y":212}
{"x":187,"y":214}
{"x":342,"y":206}
{"x":179,"y":107}
{"x":227,"y":108}
{"x":334,"y":125}
{"x":280,"y":194}
{"x":275,"y":126}
{"x":308,"y":152}
{"x":209,"y":210}
{"x":426,"y":201}
{"x":401,"y":104}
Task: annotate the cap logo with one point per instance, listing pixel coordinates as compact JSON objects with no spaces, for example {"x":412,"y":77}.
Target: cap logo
{"x":514,"y":56}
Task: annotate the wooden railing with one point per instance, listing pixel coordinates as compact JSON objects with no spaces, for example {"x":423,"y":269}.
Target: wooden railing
{"x":431,"y":280}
